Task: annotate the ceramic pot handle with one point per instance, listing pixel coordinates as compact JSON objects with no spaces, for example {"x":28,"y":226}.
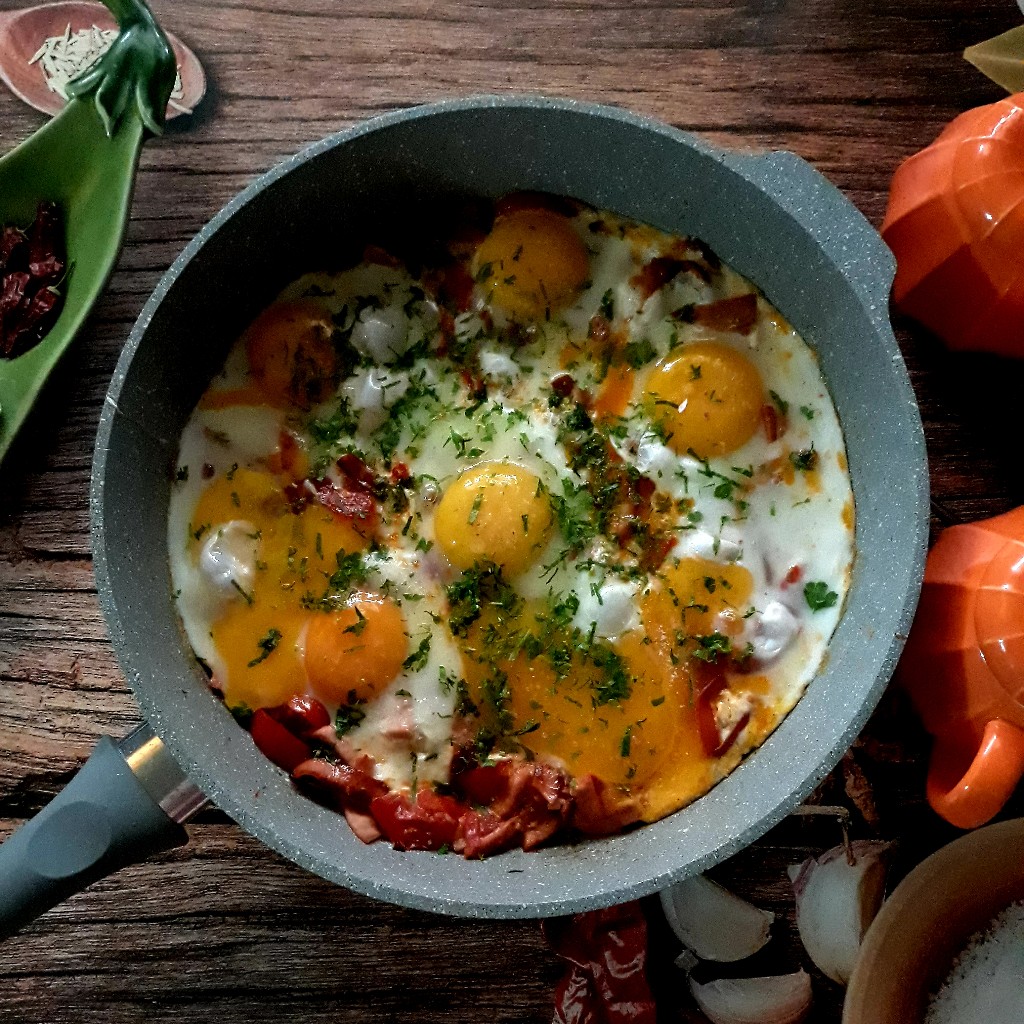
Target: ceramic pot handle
{"x":127,"y":802}
{"x":971,"y":799}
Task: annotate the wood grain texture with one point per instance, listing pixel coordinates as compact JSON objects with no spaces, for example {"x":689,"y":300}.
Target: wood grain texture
{"x":225,"y":930}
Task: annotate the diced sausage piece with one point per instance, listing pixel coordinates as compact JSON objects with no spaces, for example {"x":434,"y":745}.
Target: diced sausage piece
{"x":338,"y":785}
{"x":363,"y":825}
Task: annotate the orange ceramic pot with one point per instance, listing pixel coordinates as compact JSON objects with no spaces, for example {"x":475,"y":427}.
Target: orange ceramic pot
{"x":955,"y":223}
{"x":964,"y":667}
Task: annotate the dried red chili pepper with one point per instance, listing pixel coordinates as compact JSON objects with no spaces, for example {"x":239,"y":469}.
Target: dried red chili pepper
{"x":606,"y":982}
{"x":31,"y":266}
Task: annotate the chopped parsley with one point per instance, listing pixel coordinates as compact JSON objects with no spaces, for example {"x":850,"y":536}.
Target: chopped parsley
{"x":575,"y":513}
{"x":639,"y":353}
{"x":476,"y":588}
{"x":349,"y":715}
{"x":712,"y":646}
{"x":805,"y":461}
{"x":819,"y":597}
{"x":418,"y":658}
{"x":327,"y":431}
{"x":267,"y":645}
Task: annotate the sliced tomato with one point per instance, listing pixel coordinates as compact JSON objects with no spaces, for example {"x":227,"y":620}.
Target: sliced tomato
{"x":712,"y":683}
{"x":482,"y":833}
{"x":276,"y":743}
{"x":301,"y":716}
{"x":484,"y":784}
{"x":428,"y":824}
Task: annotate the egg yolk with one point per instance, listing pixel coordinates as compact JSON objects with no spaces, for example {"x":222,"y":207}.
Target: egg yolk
{"x":707,"y":398}
{"x":622,"y":742}
{"x":352,"y":654}
{"x":291,"y":352}
{"x":496,"y":512}
{"x":532,"y":263}
{"x":257,"y":634}
{"x":696,"y":599}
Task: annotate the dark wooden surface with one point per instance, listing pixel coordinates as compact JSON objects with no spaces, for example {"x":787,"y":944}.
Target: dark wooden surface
{"x":225,"y":930}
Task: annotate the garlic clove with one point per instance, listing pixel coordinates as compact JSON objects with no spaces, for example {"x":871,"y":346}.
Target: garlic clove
{"x":713,"y":922}
{"x":836,"y":902}
{"x":785,"y":999}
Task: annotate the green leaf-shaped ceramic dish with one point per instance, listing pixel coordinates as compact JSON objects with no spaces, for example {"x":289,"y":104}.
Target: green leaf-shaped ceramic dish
{"x":84,"y":160}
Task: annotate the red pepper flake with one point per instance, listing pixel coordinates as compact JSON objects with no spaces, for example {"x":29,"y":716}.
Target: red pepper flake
{"x":599,"y":331}
{"x":770,"y":422}
{"x":793,"y":576}
{"x":653,"y":276}
{"x":562,"y":385}
{"x":358,"y":475}
{"x":31,"y":266}
{"x":645,"y":488}
{"x":732,"y":735}
{"x":606,"y":982}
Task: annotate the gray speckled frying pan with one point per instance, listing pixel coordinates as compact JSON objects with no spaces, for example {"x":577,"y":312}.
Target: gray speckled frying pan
{"x":771,"y":216}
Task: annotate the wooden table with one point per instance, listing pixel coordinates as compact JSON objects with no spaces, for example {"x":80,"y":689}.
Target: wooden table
{"x":225,"y":930}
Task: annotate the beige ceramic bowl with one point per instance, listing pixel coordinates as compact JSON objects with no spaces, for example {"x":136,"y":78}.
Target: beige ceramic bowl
{"x":910,"y":947}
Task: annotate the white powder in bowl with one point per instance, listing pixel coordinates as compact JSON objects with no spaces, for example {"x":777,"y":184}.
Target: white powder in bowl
{"x":986,"y":984}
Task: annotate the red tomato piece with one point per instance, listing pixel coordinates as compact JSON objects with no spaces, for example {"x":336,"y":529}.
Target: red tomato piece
{"x":276,"y":743}
{"x":301,"y":716}
{"x":360,"y":476}
{"x":428,"y":824}
{"x":484,"y":784}
{"x":714,"y":683}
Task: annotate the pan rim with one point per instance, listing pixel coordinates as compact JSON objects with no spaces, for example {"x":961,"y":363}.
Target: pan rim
{"x":541,"y":903}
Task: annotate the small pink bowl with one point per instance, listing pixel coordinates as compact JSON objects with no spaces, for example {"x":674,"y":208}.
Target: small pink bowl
{"x":23,"y":32}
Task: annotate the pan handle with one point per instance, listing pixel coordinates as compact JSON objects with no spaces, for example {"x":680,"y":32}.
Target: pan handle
{"x":127,"y":802}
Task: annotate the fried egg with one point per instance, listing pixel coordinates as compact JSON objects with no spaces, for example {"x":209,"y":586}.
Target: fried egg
{"x":572,"y":492}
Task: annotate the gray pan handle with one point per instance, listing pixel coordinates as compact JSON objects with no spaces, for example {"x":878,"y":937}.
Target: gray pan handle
{"x":127,"y":802}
